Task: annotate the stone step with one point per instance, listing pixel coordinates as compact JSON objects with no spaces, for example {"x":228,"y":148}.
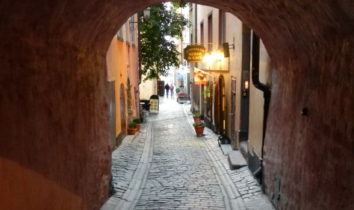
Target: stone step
{"x":226,"y":148}
{"x":236,"y":160}
{"x":244,"y":148}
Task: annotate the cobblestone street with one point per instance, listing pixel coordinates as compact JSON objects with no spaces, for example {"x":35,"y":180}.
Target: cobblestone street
{"x":165,"y":166}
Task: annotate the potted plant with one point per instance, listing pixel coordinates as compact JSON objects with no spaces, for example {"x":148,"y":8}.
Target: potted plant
{"x":199,"y":128}
{"x":131,"y":128}
{"x":138,"y":123}
{"x":197,"y":116}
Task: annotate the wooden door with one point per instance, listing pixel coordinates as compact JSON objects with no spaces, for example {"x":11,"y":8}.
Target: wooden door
{"x":222,"y":105}
{"x":217,"y":108}
{"x":123,"y":119}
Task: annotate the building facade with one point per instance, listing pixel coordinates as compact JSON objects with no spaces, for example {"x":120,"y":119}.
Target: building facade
{"x":229,"y":101}
{"x":123,"y":76}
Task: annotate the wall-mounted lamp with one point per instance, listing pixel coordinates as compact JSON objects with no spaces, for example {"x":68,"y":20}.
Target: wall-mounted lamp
{"x":146,"y":13}
{"x":246,"y":85}
{"x":245,"y":88}
{"x":226,"y":47}
{"x":214,"y":57}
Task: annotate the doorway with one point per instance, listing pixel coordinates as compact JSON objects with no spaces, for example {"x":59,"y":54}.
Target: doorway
{"x":220,"y":106}
{"x":123,"y":119}
{"x":208,"y":104}
{"x":245,"y":81}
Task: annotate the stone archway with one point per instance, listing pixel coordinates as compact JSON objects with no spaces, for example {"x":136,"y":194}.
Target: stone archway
{"x":53,"y":98}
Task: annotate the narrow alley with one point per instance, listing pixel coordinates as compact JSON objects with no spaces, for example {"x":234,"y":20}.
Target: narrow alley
{"x":165,"y":166}
{"x":272,"y":81}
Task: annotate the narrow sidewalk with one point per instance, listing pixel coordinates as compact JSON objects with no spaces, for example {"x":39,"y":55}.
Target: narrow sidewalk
{"x":249,"y":193}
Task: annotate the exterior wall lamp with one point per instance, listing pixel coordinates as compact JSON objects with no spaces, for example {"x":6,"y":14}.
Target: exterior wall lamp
{"x":226,"y":48}
{"x":245,"y":88}
{"x":213,"y":57}
{"x":146,"y":13}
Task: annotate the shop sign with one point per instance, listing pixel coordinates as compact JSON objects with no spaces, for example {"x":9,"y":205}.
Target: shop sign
{"x":200,"y":77}
{"x":194,"y":53}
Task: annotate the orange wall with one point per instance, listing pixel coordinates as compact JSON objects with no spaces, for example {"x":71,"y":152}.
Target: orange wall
{"x":122,"y":64}
{"x":133,"y":74}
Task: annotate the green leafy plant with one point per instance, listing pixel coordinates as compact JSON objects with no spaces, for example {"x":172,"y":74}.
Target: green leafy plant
{"x":137,"y":120}
{"x":197,"y":124}
{"x":197,"y":114}
{"x":207,"y":92}
{"x":156,"y":34}
{"x":132,"y":124}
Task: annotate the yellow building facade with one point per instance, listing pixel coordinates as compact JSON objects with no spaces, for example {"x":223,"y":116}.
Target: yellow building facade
{"x":123,"y":74}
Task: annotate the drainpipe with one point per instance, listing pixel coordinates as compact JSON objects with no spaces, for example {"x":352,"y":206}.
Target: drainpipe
{"x":266,"y":94}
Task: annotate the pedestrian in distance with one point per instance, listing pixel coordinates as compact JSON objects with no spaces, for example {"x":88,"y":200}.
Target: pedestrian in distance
{"x":171,"y":89}
{"x":167,"y":88}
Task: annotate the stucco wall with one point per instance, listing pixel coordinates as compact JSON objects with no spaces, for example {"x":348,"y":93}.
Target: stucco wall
{"x":122,"y":64}
{"x":232,"y":65}
{"x":255,"y":135}
{"x":148,"y":88}
{"x":234,"y":36}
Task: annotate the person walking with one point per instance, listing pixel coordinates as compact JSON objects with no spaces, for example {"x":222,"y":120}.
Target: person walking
{"x":167,"y":88}
{"x":171,"y":89}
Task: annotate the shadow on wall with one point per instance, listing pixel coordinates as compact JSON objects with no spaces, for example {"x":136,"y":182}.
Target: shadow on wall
{"x":46,"y":193}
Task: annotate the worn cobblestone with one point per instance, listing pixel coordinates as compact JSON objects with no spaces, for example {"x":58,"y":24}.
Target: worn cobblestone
{"x":125,"y":160}
{"x":248,"y":187}
{"x":181,"y":175}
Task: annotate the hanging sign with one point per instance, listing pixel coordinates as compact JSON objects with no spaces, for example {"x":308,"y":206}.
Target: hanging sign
{"x":200,"y":77}
{"x":194,"y":53}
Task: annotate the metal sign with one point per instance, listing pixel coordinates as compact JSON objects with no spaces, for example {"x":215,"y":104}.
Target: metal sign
{"x":194,"y":53}
{"x":200,"y":77}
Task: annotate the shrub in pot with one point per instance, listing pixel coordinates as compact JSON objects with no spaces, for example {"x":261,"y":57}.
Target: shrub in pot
{"x":199,"y":128}
{"x":197,"y":116}
{"x":132,"y":128}
{"x":138,"y":123}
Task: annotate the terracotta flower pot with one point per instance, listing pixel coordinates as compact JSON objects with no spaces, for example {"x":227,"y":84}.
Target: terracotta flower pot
{"x":131,"y":131}
{"x":138,"y":126}
{"x":199,"y":130}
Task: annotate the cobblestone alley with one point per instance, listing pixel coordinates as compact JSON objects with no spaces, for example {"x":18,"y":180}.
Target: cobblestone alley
{"x":165,"y":166}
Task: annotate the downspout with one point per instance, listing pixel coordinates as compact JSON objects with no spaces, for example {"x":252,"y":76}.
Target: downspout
{"x":266,"y":94}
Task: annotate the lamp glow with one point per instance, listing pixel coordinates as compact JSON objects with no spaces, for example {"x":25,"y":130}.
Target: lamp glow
{"x":246,"y":85}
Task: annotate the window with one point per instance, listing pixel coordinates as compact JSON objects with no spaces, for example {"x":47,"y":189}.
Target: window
{"x":132,"y":23}
{"x":210,"y":32}
{"x":126,"y":38}
{"x":222,"y":20}
{"x":120,"y":34}
{"x":202,"y":33}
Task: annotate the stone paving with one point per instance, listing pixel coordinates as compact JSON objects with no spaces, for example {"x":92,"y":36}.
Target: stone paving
{"x":249,"y":189}
{"x":182,"y":175}
{"x":125,"y":160}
